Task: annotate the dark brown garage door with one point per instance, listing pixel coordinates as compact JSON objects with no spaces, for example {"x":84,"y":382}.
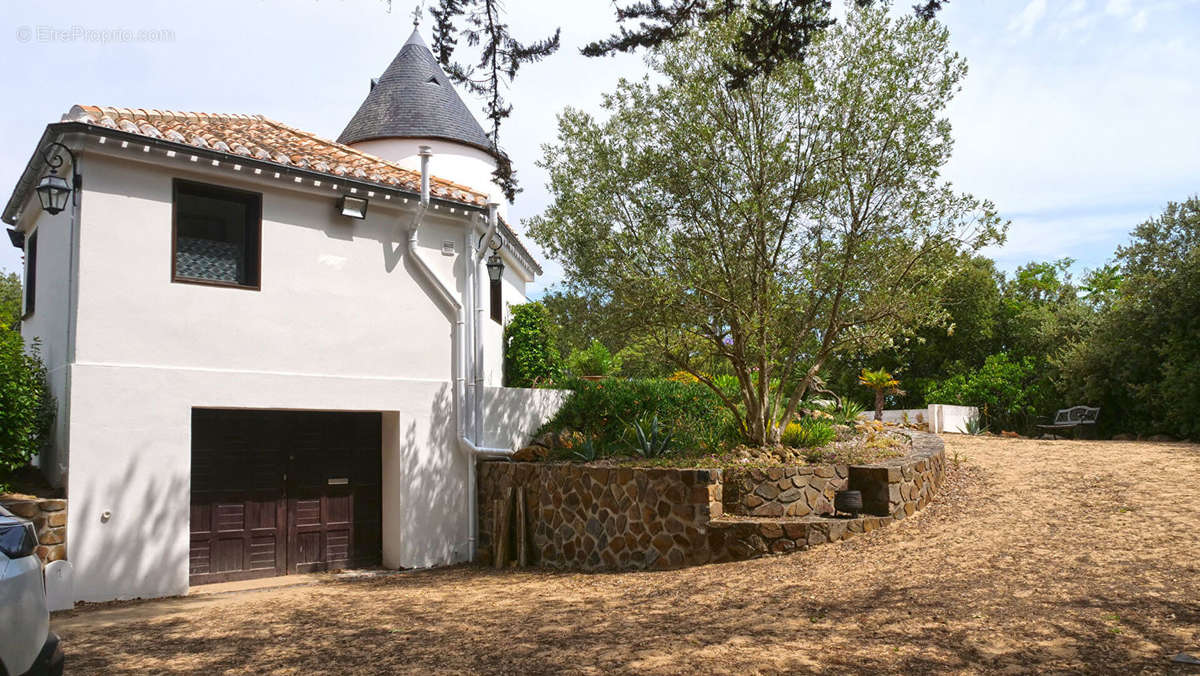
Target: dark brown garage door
{"x":277,"y":492}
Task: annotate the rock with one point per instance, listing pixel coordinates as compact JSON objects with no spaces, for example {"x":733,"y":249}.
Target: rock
{"x":50,"y":536}
{"x":1124,"y":436}
{"x":531,"y":453}
{"x":782,"y":546}
{"x":51,"y":553}
{"x":796,"y":530}
{"x":772,"y":509}
{"x":1010,"y":435}
{"x":770,"y":530}
{"x":791,"y":495}
{"x":53,"y":505}
{"x":767,"y":491}
{"x":26,"y":509}
{"x":837,"y":530}
{"x":1160,"y":438}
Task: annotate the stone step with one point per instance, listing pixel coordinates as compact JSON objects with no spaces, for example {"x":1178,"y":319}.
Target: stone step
{"x":750,"y":537}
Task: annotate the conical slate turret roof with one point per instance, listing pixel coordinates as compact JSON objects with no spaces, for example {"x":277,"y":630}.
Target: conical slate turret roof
{"x":415,"y":99}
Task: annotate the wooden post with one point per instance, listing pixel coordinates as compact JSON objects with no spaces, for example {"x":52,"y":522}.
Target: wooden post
{"x":505,"y":512}
{"x":522,"y":545}
{"x":497,"y":517}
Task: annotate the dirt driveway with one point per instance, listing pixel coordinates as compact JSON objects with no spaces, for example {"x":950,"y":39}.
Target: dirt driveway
{"x":1039,"y":557}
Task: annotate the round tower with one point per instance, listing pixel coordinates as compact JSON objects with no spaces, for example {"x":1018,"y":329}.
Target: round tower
{"x":414,"y":104}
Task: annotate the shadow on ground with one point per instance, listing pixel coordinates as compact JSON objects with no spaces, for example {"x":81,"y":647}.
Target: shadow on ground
{"x":994,"y":576}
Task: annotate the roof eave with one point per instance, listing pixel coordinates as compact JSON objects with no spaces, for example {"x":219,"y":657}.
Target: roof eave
{"x":58,"y":129}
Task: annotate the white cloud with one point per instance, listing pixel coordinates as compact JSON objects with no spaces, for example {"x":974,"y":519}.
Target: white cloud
{"x":1139,"y":21}
{"x":1027,"y":20}
{"x":1117,"y":7}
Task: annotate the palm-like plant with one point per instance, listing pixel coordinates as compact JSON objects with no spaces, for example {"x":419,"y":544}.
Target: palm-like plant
{"x":883,"y":383}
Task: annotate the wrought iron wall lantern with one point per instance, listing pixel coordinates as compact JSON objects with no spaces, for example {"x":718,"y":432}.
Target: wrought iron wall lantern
{"x":495,"y":266}
{"x":53,"y":190}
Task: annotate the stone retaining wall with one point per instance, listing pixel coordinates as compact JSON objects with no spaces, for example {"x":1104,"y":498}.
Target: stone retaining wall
{"x":783,"y":491}
{"x":900,"y":486}
{"x":595,"y":518}
{"x":50,"y":519}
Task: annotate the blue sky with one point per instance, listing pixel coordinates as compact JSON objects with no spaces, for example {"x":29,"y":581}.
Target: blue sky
{"x":1078,"y":117}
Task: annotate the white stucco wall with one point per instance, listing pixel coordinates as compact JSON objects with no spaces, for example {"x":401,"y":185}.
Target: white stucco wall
{"x":49,"y":324}
{"x":515,"y":413}
{"x":460,"y":163}
{"x":952,"y":419}
{"x":340,"y":324}
{"x":941,"y":418}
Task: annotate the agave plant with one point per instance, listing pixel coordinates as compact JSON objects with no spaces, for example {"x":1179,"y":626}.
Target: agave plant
{"x":588,"y":451}
{"x":848,"y":412}
{"x":653,"y":441}
{"x":975,"y":426}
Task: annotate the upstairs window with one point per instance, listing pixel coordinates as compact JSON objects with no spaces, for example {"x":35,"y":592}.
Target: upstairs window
{"x":218,"y":232}
{"x":497,"y":302}
{"x":30,"y":273}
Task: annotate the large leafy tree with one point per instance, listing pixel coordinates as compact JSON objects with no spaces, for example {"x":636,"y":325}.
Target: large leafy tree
{"x":775,"y":32}
{"x":970,"y":298}
{"x":1142,"y":362}
{"x":775,"y":225}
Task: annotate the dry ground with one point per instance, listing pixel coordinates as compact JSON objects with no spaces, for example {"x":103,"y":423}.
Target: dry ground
{"x":1038,"y":557}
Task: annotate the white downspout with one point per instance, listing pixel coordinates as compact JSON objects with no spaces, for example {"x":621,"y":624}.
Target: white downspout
{"x":447,"y":299}
{"x":477,"y":332}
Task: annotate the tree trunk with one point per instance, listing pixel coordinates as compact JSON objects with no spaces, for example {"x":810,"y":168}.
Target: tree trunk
{"x":879,"y":404}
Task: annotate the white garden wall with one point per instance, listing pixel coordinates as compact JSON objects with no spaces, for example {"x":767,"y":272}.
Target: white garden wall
{"x":941,"y":418}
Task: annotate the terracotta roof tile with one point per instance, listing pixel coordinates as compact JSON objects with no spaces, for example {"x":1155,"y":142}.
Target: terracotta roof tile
{"x":265,"y":139}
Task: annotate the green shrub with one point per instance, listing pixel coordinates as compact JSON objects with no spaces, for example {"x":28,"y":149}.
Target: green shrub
{"x":604,"y":412}
{"x":846,"y":414}
{"x":1007,"y":393}
{"x":809,"y":433}
{"x":595,"y":360}
{"x":26,"y":405}
{"x":530,"y":353}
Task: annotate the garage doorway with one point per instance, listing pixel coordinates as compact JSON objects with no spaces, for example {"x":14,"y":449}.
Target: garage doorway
{"x":278,"y":492}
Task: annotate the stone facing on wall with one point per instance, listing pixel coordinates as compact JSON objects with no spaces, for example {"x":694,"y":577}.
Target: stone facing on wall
{"x":595,"y":518}
{"x":49,"y":517}
{"x":782,"y":491}
{"x":900,"y":486}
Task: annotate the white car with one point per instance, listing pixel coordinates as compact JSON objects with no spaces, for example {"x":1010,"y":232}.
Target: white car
{"x":27,"y":646}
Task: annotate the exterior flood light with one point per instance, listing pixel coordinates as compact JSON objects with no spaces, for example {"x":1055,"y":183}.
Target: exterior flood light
{"x":354,"y":207}
{"x":53,"y":190}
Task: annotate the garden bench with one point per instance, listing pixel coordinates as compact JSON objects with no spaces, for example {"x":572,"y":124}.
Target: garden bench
{"x":1072,"y":419}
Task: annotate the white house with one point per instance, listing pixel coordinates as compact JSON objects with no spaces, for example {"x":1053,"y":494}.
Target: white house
{"x":271,"y":352}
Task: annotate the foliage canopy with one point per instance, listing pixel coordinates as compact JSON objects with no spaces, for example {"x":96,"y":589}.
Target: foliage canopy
{"x":774,"y":226}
